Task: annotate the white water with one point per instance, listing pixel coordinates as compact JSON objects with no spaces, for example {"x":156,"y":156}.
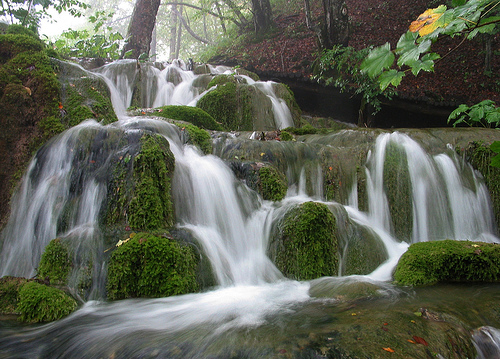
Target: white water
{"x":232,"y":224}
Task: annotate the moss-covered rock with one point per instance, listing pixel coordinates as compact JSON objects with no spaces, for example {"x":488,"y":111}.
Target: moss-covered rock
{"x":139,"y":189}
{"x":41,"y":303}
{"x":9,"y":294}
{"x":397,"y":184}
{"x":263,"y":178}
{"x":150,"y":266}
{"x":272,"y":183}
{"x":55,"y":263}
{"x":448,"y":261}
{"x":193,"y":115}
{"x":306,"y":245}
{"x":198,"y":137}
{"x":240,"y":106}
{"x":479,"y":155}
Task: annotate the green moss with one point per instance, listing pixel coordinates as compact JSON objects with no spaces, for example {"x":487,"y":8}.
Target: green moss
{"x":222,"y":105}
{"x":398,"y":188}
{"x":286,"y":136}
{"x":199,"y":138}
{"x":87,"y":98}
{"x":307,"y":245}
{"x":272,"y":184}
{"x":193,"y":115}
{"x":13,"y":44}
{"x":222,"y":80}
{"x":40,"y":303}
{"x":55,"y":263}
{"x":151,"y":205}
{"x":304,"y":130}
{"x":150,"y":266}
{"x":9,"y":294}
{"x":449,"y":261}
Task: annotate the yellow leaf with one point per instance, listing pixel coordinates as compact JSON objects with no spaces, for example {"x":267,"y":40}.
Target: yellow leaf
{"x":28,"y":90}
{"x":426,"y":22}
{"x":390,"y":350}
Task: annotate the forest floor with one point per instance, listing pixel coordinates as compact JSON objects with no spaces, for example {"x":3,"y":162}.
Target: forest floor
{"x":459,"y":77}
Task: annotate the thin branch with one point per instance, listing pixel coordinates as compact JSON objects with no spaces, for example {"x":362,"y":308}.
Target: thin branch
{"x":191,"y":32}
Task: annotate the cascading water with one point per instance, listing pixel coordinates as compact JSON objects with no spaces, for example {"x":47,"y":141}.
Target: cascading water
{"x":232,"y":224}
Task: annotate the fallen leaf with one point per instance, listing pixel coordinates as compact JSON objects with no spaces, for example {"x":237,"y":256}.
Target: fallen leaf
{"x":419,"y":340}
{"x":411,"y":341}
{"x":390,"y":350}
{"x":353,"y":314}
{"x":28,"y":90}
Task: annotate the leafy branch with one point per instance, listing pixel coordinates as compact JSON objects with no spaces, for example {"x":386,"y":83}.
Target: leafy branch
{"x":413,"y":48}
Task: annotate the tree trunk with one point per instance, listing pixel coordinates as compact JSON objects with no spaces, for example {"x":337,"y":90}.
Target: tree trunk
{"x":173,"y":31}
{"x":179,"y":36}
{"x":140,"y":29}
{"x":336,"y":23}
{"x":334,"y":28}
{"x":262,"y":15}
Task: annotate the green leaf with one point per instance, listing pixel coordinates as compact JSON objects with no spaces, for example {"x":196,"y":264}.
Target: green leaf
{"x":458,"y":111}
{"x":413,"y":54}
{"x":379,"y":59}
{"x":495,"y":147}
{"x":391,"y":77}
{"x":495,"y":161}
{"x":406,"y":42}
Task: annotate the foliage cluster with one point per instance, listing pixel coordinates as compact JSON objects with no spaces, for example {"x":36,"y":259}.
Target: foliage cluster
{"x":412,"y":53}
{"x":30,"y":13}
{"x":150,"y":266}
{"x":41,"y":303}
{"x":448,"y":261}
{"x":340,"y":66}
{"x":190,"y":114}
{"x":484,"y":113}
{"x":307,"y":246}
{"x":101,"y":42}
{"x":55,"y":263}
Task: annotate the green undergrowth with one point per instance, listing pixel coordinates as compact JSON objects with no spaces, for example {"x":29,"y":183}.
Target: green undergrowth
{"x":151,"y":266}
{"x":428,"y":263}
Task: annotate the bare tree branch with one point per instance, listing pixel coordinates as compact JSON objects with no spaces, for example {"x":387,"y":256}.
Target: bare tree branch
{"x":189,"y":30}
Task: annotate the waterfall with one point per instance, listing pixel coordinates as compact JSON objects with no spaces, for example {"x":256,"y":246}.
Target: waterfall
{"x":445,"y":198}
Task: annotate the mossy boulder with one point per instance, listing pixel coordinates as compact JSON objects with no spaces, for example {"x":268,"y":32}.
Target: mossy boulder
{"x":428,"y":263}
{"x":9,"y":294}
{"x":397,"y":185}
{"x":240,"y":106}
{"x":140,"y":186}
{"x":55,"y":263}
{"x":305,"y":246}
{"x":193,"y":115}
{"x":479,"y":155}
{"x":41,"y":303}
{"x":151,"y":266}
{"x":263,"y":178}
{"x":198,"y":137}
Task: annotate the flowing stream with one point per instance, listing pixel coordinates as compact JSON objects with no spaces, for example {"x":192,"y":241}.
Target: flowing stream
{"x":253,"y":303}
